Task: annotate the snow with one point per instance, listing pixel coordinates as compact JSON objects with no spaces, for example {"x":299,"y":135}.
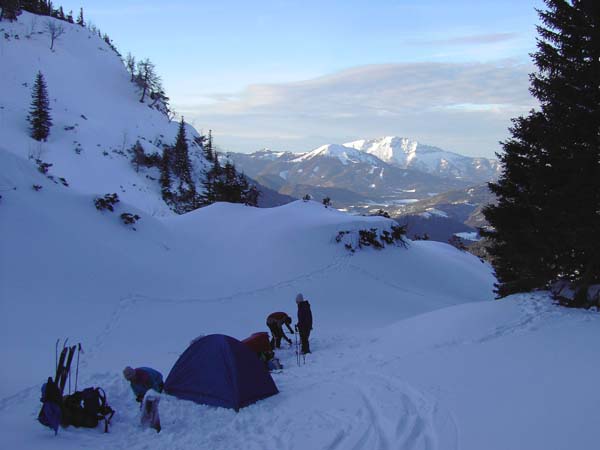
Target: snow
{"x":429,"y":212}
{"x":409,"y":154}
{"x":89,"y":90}
{"x":469,"y":236}
{"x":283,"y":174}
{"x":344,"y":154}
{"x":266,"y":154}
{"x":410,"y":349}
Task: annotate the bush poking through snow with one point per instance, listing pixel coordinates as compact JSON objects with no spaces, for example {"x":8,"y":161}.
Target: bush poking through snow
{"x":37,"y":187}
{"x":106,"y":202}
{"x":307,"y":198}
{"x":382,"y":213}
{"x":368,"y":238}
{"x":129,"y":219}
{"x":327,"y":202}
{"x":43,"y":167}
{"x":373,"y":237}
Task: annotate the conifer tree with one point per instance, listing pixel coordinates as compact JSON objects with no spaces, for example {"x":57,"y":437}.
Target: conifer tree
{"x":80,"y":20}
{"x":208,"y":147}
{"x":181,"y":158}
{"x":147,"y":78}
{"x":10,"y":10}
{"x":546,"y":222}
{"x":33,"y":6}
{"x":213,"y":182}
{"x":130,"y":64}
{"x":39,"y":114}
{"x":45,"y":7}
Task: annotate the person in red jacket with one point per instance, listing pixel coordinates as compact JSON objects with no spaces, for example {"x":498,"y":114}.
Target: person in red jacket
{"x":275,"y":322}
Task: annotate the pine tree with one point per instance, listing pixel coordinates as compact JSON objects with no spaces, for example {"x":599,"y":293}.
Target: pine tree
{"x":80,"y":20}
{"x":39,"y":114}
{"x":45,"y":7}
{"x":147,"y":78}
{"x":10,"y":10}
{"x":181,"y":158}
{"x":546,"y":222}
{"x":213,"y":182}
{"x":130,"y":64}
{"x":208,"y":147}
{"x":33,"y":6}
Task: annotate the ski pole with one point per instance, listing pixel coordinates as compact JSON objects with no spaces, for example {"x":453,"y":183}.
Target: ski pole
{"x":56,"y":355}
{"x":297,"y":348}
{"x":77,"y":371}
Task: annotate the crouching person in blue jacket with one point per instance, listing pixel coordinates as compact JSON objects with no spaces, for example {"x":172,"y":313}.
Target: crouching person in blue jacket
{"x":142,"y":379}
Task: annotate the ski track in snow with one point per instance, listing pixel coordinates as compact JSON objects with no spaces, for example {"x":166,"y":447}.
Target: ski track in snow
{"x":379,"y":279}
{"x":130,"y":301}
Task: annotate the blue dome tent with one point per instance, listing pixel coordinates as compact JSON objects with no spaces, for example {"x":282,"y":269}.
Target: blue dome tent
{"x":219,"y":370}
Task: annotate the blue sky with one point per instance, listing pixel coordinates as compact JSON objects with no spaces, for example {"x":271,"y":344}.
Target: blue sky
{"x":296,"y":74}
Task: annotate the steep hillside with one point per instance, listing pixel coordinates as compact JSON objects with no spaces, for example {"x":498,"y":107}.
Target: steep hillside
{"x":95,"y":110}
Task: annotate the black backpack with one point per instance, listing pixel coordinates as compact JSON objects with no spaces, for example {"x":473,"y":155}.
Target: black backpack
{"x":86,"y":408}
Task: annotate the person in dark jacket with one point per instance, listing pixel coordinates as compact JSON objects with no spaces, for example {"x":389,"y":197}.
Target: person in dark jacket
{"x":275,"y":322}
{"x":142,"y":379}
{"x":305,"y":322}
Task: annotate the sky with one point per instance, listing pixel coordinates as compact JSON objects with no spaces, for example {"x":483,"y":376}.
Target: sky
{"x":293,"y":75}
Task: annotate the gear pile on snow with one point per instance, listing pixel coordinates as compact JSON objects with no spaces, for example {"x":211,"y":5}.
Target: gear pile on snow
{"x":84,"y":408}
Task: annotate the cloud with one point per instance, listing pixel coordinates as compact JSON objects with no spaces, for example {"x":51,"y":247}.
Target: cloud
{"x":476,"y":39}
{"x":463,"y":107}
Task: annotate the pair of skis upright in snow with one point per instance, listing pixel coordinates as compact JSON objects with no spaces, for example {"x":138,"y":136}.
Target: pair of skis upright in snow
{"x":63,"y":365}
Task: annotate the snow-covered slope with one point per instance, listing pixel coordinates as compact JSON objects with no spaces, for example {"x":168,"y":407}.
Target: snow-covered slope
{"x":95,"y":109}
{"x":409,"y":351}
{"x":86,"y":262}
{"x":406,"y":153}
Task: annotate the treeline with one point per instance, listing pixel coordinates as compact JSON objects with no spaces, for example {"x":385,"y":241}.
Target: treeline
{"x":222,"y":183}
{"x":11,"y":9}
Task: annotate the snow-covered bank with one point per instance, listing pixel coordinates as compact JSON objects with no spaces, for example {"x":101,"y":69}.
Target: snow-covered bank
{"x":493,"y":375}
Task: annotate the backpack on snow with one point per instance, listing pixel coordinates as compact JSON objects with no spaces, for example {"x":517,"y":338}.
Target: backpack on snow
{"x":86,"y":408}
{"x":50,"y":415}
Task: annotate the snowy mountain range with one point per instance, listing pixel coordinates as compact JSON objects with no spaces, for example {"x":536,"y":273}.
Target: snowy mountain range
{"x":405,"y":153}
{"x":386,"y":172}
